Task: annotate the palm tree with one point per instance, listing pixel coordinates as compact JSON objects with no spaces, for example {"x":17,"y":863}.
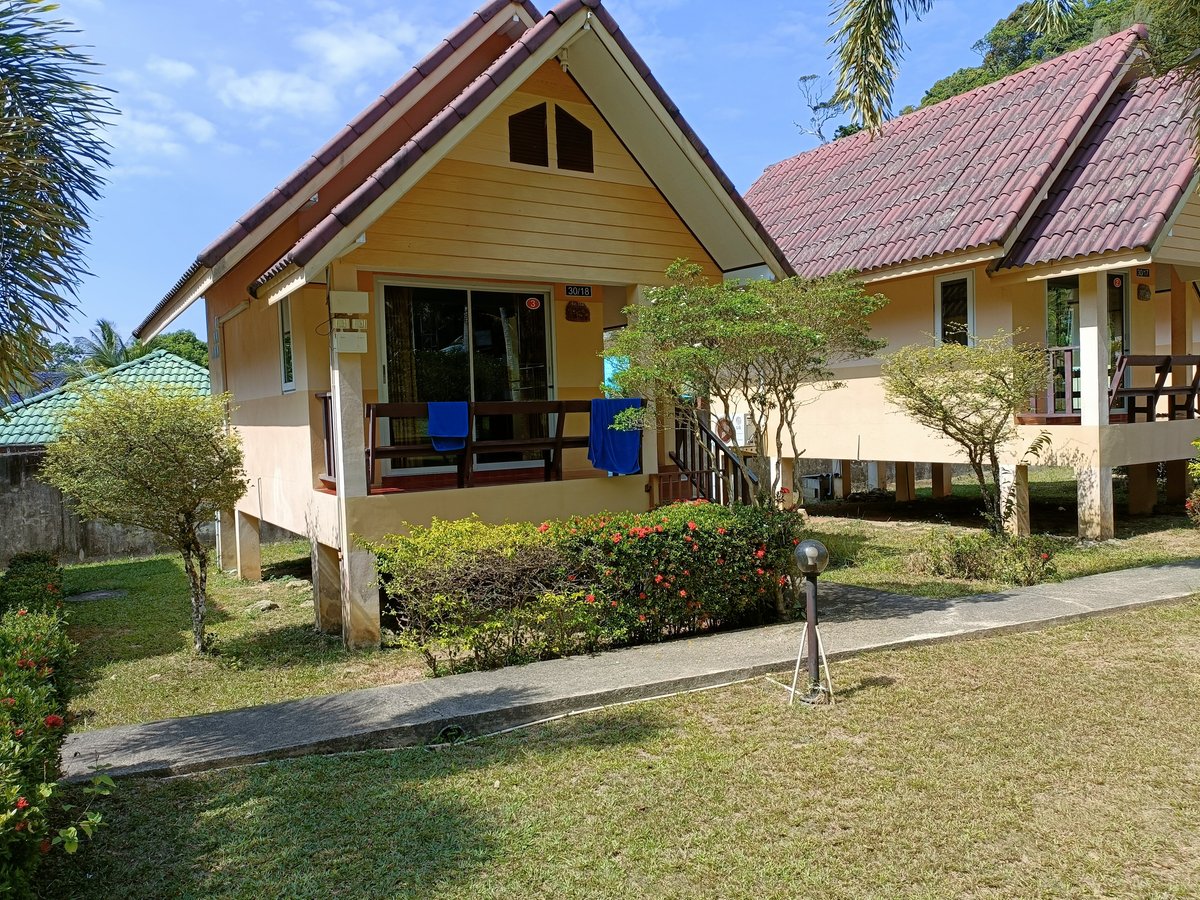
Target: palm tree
{"x":104,"y":348}
{"x":51,"y":159}
{"x":869,"y":43}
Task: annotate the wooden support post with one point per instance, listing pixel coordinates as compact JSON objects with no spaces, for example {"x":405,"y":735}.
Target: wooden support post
{"x":845,"y":479}
{"x":249,"y":554}
{"x":1181,"y":328}
{"x":1014,"y":498}
{"x":906,"y":482}
{"x":943,"y":485}
{"x":1094,"y":485}
{"x":1143,"y":488}
{"x":877,"y":478}
{"x":1179,"y":484}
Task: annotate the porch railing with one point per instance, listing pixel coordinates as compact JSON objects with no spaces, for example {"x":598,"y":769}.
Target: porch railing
{"x":549,"y":445}
{"x":1137,"y":384}
{"x":708,"y":467}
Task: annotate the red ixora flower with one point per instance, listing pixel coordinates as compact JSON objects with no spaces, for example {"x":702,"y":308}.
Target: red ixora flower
{"x":641,"y":617}
{"x":720,"y":531}
{"x":691,"y":526}
{"x":1045,"y":556}
{"x":658,"y":579}
{"x":616,"y":538}
{"x":642,"y":595}
{"x":683,"y":593}
{"x":785,"y":490}
{"x":544,"y":527}
{"x":18,"y":732}
{"x":22,"y":612}
{"x":760,"y":553}
{"x":613,"y":603}
{"x":11,"y":701}
{"x":44,"y":846}
{"x":22,"y":803}
{"x":52,"y":588}
{"x":53,"y":721}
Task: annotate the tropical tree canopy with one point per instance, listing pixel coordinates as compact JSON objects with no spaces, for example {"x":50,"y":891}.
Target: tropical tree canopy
{"x":869,"y":44}
{"x":51,"y":160}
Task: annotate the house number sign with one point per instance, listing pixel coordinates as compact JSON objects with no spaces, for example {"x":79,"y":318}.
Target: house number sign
{"x":579,"y":290}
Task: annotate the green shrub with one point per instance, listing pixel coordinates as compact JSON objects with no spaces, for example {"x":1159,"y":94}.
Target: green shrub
{"x":34,"y":654}
{"x":33,"y":581}
{"x":465,"y":593}
{"x":979,"y":556}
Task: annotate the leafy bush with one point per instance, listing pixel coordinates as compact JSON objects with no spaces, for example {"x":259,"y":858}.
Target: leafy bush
{"x":34,"y":653}
{"x":979,"y":556}
{"x":33,"y":581}
{"x":468,"y":593}
{"x":1192,"y":504}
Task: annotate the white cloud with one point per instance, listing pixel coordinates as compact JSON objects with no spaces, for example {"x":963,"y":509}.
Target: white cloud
{"x":133,"y":136}
{"x":172,"y":70}
{"x":198,"y":128}
{"x":273,"y":90}
{"x":343,"y":51}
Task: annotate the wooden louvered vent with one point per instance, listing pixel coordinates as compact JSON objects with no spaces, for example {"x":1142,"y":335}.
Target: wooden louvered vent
{"x":574,"y":142}
{"x":528,"y":140}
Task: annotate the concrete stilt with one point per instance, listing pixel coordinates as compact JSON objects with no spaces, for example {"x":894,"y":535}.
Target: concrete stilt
{"x":226,"y":541}
{"x":1014,"y":498}
{"x":1143,"y":488}
{"x":1179,"y":483}
{"x":249,"y":553}
{"x":1095,"y":502}
{"x":327,"y":588}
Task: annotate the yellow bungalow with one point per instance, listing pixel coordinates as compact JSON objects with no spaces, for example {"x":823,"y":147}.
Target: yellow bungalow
{"x":1060,"y":203}
{"x":467,"y":238}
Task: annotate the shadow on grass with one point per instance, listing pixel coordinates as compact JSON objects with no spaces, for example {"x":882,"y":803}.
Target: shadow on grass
{"x":410,"y":823}
{"x":293,"y":567}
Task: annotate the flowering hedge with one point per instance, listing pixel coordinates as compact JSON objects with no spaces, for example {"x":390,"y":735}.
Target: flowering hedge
{"x":489,"y":595}
{"x":33,"y":581}
{"x":34,"y":653}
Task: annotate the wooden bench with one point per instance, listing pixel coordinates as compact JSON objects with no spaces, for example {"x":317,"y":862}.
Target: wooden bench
{"x":550,"y":446}
{"x":1128,"y":397}
{"x":422,"y":446}
{"x":1183,"y":397}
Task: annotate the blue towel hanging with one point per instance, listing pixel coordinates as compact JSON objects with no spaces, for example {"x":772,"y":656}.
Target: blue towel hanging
{"x":610,"y":449}
{"x":448,"y":426}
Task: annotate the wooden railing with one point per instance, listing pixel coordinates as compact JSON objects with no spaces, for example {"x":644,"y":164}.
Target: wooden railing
{"x":328,"y":477}
{"x":549,"y":445}
{"x":1137,"y":385}
{"x":708,"y":467}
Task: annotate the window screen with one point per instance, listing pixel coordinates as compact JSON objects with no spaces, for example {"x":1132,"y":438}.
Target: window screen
{"x":955,"y":300}
{"x":574,"y":142}
{"x":528,"y":140}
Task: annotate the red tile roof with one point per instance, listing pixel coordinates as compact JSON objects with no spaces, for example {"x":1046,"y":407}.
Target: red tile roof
{"x":952,"y":177}
{"x":1123,"y":183}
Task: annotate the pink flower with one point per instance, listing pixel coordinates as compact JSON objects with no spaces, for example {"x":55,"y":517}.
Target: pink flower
{"x":683,"y":593}
{"x":22,"y":612}
{"x":759,"y":554}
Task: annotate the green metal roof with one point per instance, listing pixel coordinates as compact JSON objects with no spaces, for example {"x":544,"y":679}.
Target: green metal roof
{"x":36,"y":421}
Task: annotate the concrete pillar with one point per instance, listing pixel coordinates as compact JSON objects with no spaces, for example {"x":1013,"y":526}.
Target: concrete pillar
{"x":249,"y":554}
{"x":942,"y":481}
{"x":359,"y":595}
{"x":327,"y":588}
{"x":877,"y":478}
{"x":1143,"y":488}
{"x":1094,"y":485}
{"x":1094,"y":349}
{"x":226,"y":541}
{"x":845,"y":480}
{"x":906,"y":482}
{"x":1014,"y":497}
{"x":1179,"y":483}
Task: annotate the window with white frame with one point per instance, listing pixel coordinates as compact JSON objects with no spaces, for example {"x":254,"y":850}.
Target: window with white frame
{"x":287,"y":368}
{"x":954,"y":308}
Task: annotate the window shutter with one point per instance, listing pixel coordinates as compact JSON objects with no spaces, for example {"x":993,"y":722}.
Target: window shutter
{"x":528,"y":140}
{"x":574,"y":142}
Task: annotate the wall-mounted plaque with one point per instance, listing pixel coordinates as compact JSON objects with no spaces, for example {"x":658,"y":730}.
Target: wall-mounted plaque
{"x":579,"y":290}
{"x":578,"y":312}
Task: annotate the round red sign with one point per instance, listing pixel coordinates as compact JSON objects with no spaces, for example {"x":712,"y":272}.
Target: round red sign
{"x":533,"y":303}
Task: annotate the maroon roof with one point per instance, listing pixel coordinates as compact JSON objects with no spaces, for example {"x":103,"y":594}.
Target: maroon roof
{"x":1124,"y":181}
{"x":341,"y":216}
{"x":951,"y":177}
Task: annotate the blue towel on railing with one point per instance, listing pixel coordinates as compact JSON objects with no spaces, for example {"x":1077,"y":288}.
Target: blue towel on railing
{"x":448,"y":425}
{"x":613,"y":450}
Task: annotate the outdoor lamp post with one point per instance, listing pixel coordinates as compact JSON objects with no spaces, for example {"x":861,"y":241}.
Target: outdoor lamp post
{"x":811,"y":560}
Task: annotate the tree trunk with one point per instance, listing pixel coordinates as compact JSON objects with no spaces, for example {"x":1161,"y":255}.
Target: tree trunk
{"x":195,"y":563}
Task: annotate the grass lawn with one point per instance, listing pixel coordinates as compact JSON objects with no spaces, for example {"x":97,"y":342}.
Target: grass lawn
{"x":1060,"y":763}
{"x":135,"y":662}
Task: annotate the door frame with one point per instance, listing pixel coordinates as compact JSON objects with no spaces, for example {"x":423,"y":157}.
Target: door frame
{"x":382,"y":281}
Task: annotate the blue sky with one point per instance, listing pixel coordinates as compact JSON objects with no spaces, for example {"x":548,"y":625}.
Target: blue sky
{"x":221,"y":99}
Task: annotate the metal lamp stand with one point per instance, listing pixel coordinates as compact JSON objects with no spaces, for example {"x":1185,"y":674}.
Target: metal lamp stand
{"x":819,"y":692}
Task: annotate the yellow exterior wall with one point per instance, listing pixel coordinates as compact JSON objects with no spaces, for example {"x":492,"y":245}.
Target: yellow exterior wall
{"x":478,"y":215}
{"x":1184,"y":237}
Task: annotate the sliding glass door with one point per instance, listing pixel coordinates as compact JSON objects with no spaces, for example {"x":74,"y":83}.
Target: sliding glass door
{"x":448,"y":344}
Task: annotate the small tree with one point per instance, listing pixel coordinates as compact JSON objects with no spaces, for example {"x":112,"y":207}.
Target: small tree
{"x":155,"y":457}
{"x":971,"y":395}
{"x":752,"y":345}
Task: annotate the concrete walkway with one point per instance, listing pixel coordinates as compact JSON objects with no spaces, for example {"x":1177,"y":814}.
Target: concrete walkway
{"x":853,"y":620}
